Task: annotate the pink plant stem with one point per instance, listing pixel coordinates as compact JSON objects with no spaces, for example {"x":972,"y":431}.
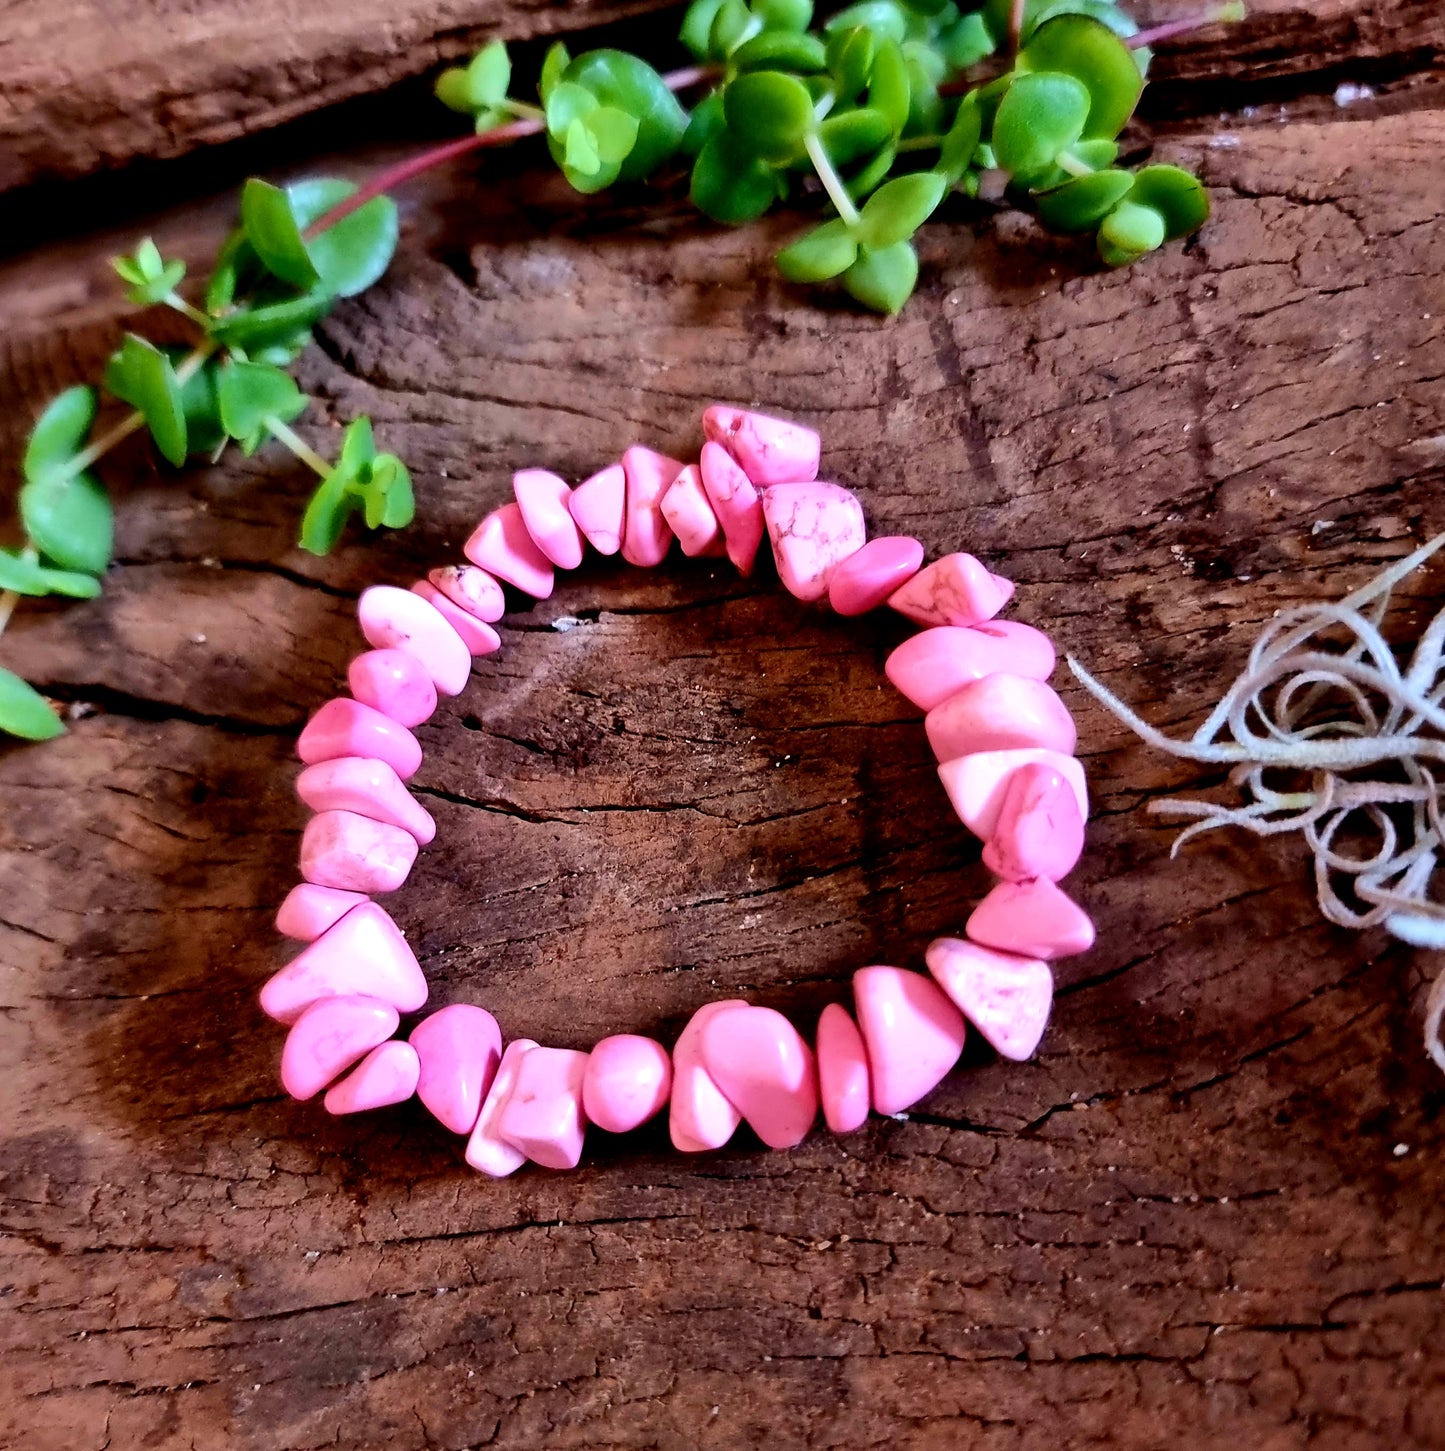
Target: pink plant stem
{"x":1185,"y":26}
{"x":394,"y":176}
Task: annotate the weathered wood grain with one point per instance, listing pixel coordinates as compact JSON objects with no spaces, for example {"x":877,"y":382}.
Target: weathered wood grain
{"x":1208,"y":1214}
{"x":87,"y":85}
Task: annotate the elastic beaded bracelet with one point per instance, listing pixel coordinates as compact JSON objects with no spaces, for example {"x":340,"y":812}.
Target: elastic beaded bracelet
{"x":1003,"y":738}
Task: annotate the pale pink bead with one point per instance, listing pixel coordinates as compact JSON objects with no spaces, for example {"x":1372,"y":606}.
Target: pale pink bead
{"x":543,"y":498}
{"x":814,"y":528}
{"x":328,"y":1038}
{"x":345,"y":727}
{"x":736,"y":502}
{"x":394,"y":682}
{"x":459,"y":1047}
{"x":309,"y":910}
{"x":688,"y":513}
{"x":876,"y":572}
{"x":1007,"y":998}
{"x":486,"y":1152}
{"x":368,"y":788}
{"x":1039,"y":831}
{"x":646,"y":537}
{"x":501,"y":545}
{"x":771,"y":450}
{"x":976,"y":784}
{"x":765,"y":1070}
{"x":543,"y":1116}
{"x":1001,"y":712}
{"x":599,"y":505}
{"x":1031,"y":919}
{"x":478,"y":636}
{"x":387,"y":1075}
{"x":954,"y":590}
{"x":628,"y":1080}
{"x":935,"y":663}
{"x":913,"y":1034}
{"x":396,"y":619}
{"x":842,"y":1070}
{"x":471,"y":589}
{"x":700,"y":1116}
{"x":364,"y":952}
{"x":342,"y":849}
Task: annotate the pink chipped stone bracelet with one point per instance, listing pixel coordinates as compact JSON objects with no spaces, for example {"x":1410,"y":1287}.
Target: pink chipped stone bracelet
{"x":1004,"y":742}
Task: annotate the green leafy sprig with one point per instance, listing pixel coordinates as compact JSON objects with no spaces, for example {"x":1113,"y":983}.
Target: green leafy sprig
{"x":885,"y":109}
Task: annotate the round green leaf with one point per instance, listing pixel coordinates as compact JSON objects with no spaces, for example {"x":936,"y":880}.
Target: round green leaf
{"x":966,"y":42}
{"x":326,"y":514}
{"x":453,"y":92}
{"x":781,"y":50}
{"x":352,"y":254}
{"x":273,"y":231}
{"x":276,"y":324}
{"x":899,"y":207}
{"x":1089,"y":51}
{"x":1082,"y":202}
{"x":60,"y":431}
{"x":850,"y":60}
{"x":25,"y":576}
{"x":199,"y":405}
{"x":1098,"y":153}
{"x":23,"y":711}
{"x":885,"y":18}
{"x":729,"y":184}
{"x":141,"y":375}
{"x":69,"y":520}
{"x":883,"y":280}
{"x":237,"y":269}
{"x":391,"y":476}
{"x":554,"y":65}
{"x":1176,"y":195}
{"x":614,"y":134}
{"x":862,"y":182}
{"x":770,"y":113}
{"x":488,"y":75}
{"x":623,"y":81}
{"x":889,"y":91}
{"x":1038,"y":118}
{"x":706,"y":120}
{"x":1128,"y":232}
{"x":697,"y":27}
{"x":784,"y":15}
{"x":925,"y":105}
{"x":250,"y":393}
{"x":851,"y":136}
{"x":824,"y":252}
{"x":732,"y":25}
{"x":959,"y":145}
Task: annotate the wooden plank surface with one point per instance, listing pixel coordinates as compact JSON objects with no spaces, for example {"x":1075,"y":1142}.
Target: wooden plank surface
{"x":1210,"y":1212}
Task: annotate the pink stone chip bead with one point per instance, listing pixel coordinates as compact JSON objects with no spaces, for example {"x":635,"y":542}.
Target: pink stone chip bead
{"x":814,"y":528}
{"x":913,"y":1034}
{"x":771,"y":450}
{"x":842,"y":1070}
{"x":343,"y":849}
{"x":328,"y":1038}
{"x":599,"y":505}
{"x":1007,"y":998}
{"x":954,"y":590}
{"x":688,"y":513}
{"x":368,"y":788}
{"x":1039,"y":831}
{"x":478,"y":636}
{"x":1031,"y":919}
{"x":701,"y":1117}
{"x":396,"y":619}
{"x":501,"y":545}
{"x":394,"y":682}
{"x":486,"y":1152}
{"x":385,"y":1076}
{"x":364,"y":952}
{"x":736,"y":502}
{"x":934,"y":664}
{"x":874,"y":574}
{"x":628,"y":1080}
{"x":471,"y":589}
{"x":1001,"y":712}
{"x":765,"y":1070}
{"x":976,"y":784}
{"x":646,"y":537}
{"x":543,"y":1116}
{"x":347,"y":728}
{"x":543,"y":498}
{"x":459,"y":1048}
{"x":308,"y":910}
